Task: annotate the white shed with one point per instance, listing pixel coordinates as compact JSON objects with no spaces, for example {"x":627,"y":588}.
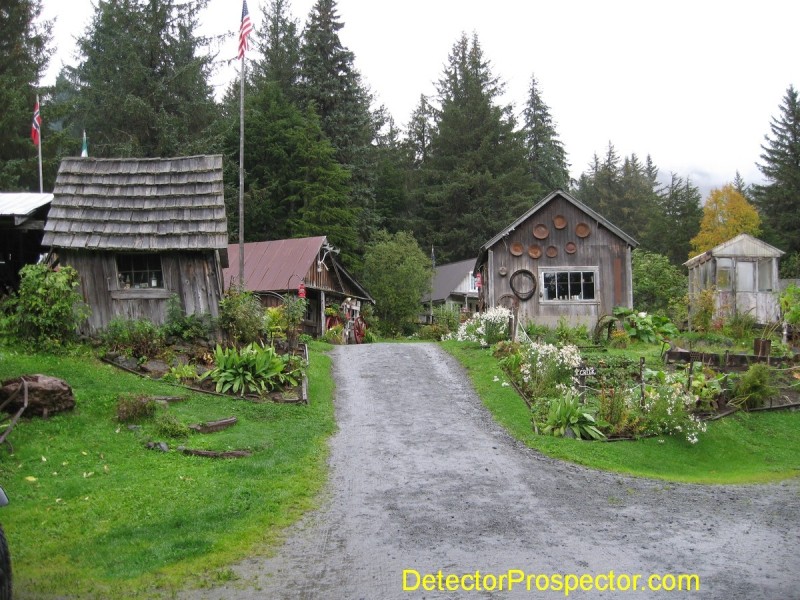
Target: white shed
{"x":744,"y":275}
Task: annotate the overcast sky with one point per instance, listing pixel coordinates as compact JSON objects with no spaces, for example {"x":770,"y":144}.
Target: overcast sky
{"x":692,"y":83}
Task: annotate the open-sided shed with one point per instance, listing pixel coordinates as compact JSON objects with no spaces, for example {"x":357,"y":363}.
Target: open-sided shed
{"x":140,"y":230}
{"x":559,"y":260}
{"x":277,"y":267}
{"x":743,"y":274}
{"x":22,"y":218}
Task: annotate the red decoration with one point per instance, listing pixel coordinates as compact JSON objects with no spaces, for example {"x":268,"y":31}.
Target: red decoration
{"x":301,"y":290}
{"x":478,"y":281}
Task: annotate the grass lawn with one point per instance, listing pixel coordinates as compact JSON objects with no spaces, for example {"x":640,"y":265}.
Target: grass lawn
{"x":744,"y":448}
{"x":96,"y":514}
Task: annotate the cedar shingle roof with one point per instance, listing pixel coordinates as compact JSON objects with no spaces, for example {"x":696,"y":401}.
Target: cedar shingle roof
{"x":138,"y":204}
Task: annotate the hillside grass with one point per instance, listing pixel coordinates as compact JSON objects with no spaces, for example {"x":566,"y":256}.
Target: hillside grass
{"x":96,"y":514}
{"x":743,"y":448}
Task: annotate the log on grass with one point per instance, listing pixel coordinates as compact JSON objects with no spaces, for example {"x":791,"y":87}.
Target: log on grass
{"x":214,"y":454}
{"x":213,"y":426}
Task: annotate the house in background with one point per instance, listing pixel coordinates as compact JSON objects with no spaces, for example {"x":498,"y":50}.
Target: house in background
{"x":454,"y":287}
{"x":139,"y":231}
{"x":743,"y":272}
{"x":22,"y":219}
{"x":277,"y":267}
{"x":559,"y":260}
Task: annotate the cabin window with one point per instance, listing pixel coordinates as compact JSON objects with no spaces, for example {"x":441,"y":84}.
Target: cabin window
{"x":573,"y":286}
{"x":139,"y":271}
{"x":473,"y":282}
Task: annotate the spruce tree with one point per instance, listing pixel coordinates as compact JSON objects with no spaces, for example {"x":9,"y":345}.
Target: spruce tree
{"x":676,"y":221}
{"x":474,"y":177}
{"x":778,"y":199}
{"x":24,"y":54}
{"x":547,"y":160}
{"x":331,"y":85}
{"x":142,"y":83}
{"x":279,"y":43}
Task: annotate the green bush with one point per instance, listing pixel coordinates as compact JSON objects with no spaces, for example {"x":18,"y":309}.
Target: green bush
{"x":132,"y":408}
{"x":256,"y":368}
{"x":334,"y":334}
{"x":294,"y":311}
{"x":181,"y":374}
{"x":740,"y":326}
{"x":434,"y":332}
{"x":139,"y":338}
{"x":168,"y":425}
{"x":568,"y":418}
{"x":241,"y":316}
{"x":47,"y":309}
{"x":187,"y":327}
{"x":754,"y":386}
{"x":446,"y":318}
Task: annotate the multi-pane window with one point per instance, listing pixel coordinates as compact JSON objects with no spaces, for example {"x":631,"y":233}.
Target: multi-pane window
{"x":568,"y":285}
{"x":138,"y":271}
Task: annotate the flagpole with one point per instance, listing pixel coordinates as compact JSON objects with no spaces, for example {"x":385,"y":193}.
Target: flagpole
{"x":41,"y":186}
{"x":241,"y":175}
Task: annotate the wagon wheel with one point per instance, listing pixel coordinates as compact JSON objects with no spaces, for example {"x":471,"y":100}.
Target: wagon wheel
{"x":359,"y":329}
{"x":332,"y":321}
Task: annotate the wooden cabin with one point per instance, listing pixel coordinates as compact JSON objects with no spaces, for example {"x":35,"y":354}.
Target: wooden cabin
{"x":559,"y":260}
{"x":138,"y":231}
{"x":22,"y":219}
{"x":454,"y":287}
{"x":278,"y":267}
{"x":743,"y":272}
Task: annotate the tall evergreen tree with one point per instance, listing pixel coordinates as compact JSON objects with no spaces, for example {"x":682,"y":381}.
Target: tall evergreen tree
{"x":279,"y":43}
{"x":330,"y":83}
{"x":142,"y":82}
{"x":24,"y":54}
{"x":474,"y":177}
{"x":547,"y":160}
{"x":676,"y":222}
{"x":779,"y":199}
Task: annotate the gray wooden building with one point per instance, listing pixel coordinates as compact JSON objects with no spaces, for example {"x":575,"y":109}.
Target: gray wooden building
{"x":743,"y":274}
{"x":139,"y":231}
{"x":559,"y":260}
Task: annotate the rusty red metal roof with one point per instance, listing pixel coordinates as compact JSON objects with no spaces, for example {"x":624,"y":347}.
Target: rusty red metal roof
{"x":277,"y":265}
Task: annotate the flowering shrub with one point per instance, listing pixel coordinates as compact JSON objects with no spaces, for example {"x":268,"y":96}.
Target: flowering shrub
{"x":666,"y":408}
{"x":546,"y":370}
{"x":486,"y":328}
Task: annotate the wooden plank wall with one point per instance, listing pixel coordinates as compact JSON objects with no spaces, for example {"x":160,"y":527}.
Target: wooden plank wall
{"x":194,"y":276}
{"x":601,"y":249}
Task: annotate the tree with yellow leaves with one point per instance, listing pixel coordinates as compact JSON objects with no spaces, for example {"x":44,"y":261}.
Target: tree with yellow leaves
{"x":726,"y":214}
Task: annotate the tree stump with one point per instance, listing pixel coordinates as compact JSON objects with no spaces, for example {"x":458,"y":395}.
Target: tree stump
{"x":46,"y":395}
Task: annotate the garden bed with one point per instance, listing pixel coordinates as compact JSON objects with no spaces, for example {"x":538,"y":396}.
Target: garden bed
{"x":197,"y":360}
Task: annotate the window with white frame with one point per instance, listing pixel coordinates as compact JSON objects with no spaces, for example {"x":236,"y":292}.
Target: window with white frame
{"x":579,"y":285}
{"x":473,"y":282}
{"x":765,"y":276}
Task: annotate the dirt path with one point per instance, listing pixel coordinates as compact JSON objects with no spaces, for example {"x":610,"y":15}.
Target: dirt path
{"x":422,"y":478}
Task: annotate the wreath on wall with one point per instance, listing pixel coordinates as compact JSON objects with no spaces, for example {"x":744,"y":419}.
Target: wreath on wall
{"x":516,"y":282}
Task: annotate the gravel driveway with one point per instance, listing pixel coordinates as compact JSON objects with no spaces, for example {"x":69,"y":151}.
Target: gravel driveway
{"x":422,"y":478}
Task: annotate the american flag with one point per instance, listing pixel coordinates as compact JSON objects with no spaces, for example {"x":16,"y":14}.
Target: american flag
{"x":244,"y":30}
{"x":36,"y":125}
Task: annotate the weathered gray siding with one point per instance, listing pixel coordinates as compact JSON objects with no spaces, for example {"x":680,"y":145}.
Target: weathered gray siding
{"x":193,"y":276}
{"x":601,"y":250}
